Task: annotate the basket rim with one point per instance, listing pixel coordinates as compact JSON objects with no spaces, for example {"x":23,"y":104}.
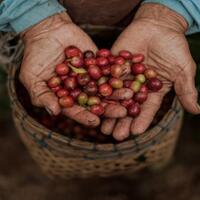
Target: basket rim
{"x":47,"y":133}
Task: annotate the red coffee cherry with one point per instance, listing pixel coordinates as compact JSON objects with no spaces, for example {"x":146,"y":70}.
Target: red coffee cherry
{"x":70,"y":83}
{"x":62,"y":93}
{"x":105,"y":90}
{"x":97,"y":109}
{"x":138,"y":68}
{"x":134,"y":110}
{"x":154,"y":84}
{"x":103,"y":53}
{"x":73,"y":51}
{"x":116,"y":71}
{"x":62,"y":69}
{"x":126,"y":54}
{"x":102,"y":61}
{"x":138,"y":58}
{"x":95,"y":72}
{"x":54,"y":82}
{"x":66,"y":102}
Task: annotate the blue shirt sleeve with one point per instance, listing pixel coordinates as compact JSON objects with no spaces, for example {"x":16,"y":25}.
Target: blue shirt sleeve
{"x":189,"y":9}
{"x":18,"y":15}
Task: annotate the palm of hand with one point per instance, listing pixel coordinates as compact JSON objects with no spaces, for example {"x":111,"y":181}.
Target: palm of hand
{"x":43,"y":50}
{"x":166,"y":50}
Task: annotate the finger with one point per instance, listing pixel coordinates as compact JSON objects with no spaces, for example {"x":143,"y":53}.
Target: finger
{"x":107,"y":126}
{"x":148,"y":111}
{"x":186,"y":91}
{"x":42,"y":96}
{"x":122,"y":128}
{"x":81,"y":115}
{"x":121,"y":94}
{"x":115,"y":111}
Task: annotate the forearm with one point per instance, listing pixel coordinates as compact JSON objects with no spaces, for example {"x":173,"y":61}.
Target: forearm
{"x":190,"y":10}
{"x":18,"y":15}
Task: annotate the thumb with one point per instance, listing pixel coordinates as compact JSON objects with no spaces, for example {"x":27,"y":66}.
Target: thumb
{"x":185,"y":89}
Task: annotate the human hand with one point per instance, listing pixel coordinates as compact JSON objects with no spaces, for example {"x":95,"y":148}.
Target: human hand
{"x":44,"y":49}
{"x":158,"y":33}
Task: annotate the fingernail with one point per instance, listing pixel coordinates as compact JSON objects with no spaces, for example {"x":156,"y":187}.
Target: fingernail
{"x":49,"y":111}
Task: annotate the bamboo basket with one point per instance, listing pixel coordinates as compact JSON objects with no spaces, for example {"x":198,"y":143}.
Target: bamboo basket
{"x":63,"y":157}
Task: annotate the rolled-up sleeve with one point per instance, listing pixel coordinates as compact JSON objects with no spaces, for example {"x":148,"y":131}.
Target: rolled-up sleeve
{"x":189,"y":9}
{"x":18,"y":15}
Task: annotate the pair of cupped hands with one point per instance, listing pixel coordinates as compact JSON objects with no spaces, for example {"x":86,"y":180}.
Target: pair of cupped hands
{"x":155,"y":31}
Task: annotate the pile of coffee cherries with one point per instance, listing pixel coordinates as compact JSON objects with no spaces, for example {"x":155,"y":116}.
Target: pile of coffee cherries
{"x":89,"y":79}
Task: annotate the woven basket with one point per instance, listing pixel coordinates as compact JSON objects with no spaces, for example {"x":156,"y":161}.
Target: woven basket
{"x":63,"y":157}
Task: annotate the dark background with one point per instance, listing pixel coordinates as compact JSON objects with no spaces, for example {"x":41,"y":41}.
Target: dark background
{"x":20,"y":177}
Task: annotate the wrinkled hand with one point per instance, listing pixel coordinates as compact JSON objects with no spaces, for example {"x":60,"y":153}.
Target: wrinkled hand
{"x":44,"y":48}
{"x":158,"y":33}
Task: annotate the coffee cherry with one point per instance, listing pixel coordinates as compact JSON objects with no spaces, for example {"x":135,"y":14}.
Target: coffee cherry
{"x":93,"y":100}
{"x":63,"y":77}
{"x":83,"y":79}
{"x":74,"y":93}
{"x":138,"y":58}
{"x":150,"y":73}
{"x":141,"y":78}
{"x":111,"y":59}
{"x":97,"y":109}
{"x":126,"y":54}
{"x":82,"y":98}
{"x":62,"y":69}
{"x":127,"y":83}
{"x":116,"y":71}
{"x":66,"y":102}
{"x":106,"y":70}
{"x":90,"y":61}
{"x":138,"y":68}
{"x":77,"y":61}
{"x":105,"y":90}
{"x":154,"y":84}
{"x":134,"y":110}
{"x":135,"y":86}
{"x":54,"y":82}
{"x":73,"y":51}
{"x":56,"y":89}
{"x":91,"y":88}
{"x":116,"y":83}
{"x":95,"y":72}
{"x":88,"y":54}
{"x":70,"y":83}
{"x":101,"y":61}
{"x":140,"y":97}
{"x":102,"y":80}
{"x":62,"y":93}
{"x":144,"y":88}
{"x":127,"y":103}
{"x":119,"y":60}
{"x":103,"y":53}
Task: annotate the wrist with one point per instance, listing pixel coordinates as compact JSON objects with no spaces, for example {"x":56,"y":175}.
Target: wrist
{"x":47,"y":25}
{"x":160,"y":15}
